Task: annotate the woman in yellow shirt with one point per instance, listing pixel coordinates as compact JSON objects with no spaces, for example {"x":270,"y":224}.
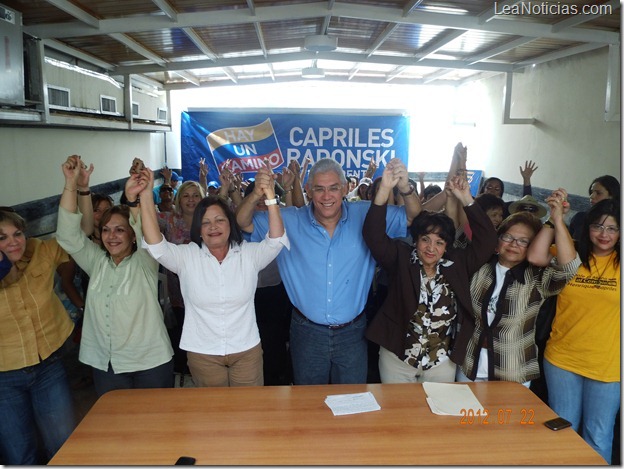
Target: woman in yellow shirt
{"x":582,"y":357}
{"x":34,"y":392}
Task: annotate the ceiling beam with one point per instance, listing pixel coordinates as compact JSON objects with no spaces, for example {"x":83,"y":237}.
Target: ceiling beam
{"x":167,"y":9}
{"x":76,"y":12}
{"x":80,"y":55}
{"x":138,"y":48}
{"x":319,"y":10}
{"x":199,"y":43}
{"x":491,"y":12}
{"x":560,"y":54}
{"x":581,"y":18}
{"x":306,"y":55}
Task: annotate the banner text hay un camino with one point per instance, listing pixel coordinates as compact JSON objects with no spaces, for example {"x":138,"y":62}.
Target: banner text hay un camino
{"x":247,"y":138}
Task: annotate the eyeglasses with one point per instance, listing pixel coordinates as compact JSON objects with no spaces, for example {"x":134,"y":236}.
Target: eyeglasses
{"x":527,"y":208}
{"x":336,"y":188}
{"x":595,"y":227}
{"x":507,"y":238}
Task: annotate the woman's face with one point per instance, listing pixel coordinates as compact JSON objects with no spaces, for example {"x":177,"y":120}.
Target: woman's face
{"x":189,"y":200}
{"x":215,"y":228}
{"x":12,"y":241}
{"x":430,"y":249}
{"x":603,"y":242}
{"x":118,"y":237}
{"x":352,"y":184}
{"x":496,"y":215}
{"x":101,"y":207}
{"x":510,"y":253}
{"x":493,"y":187}
{"x":597,"y":192}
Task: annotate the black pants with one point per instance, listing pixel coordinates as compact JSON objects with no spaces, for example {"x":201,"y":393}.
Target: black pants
{"x":273,"y":313}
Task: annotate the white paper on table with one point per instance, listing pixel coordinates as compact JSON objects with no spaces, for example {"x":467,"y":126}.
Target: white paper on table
{"x":346,"y":404}
{"x":451,"y":399}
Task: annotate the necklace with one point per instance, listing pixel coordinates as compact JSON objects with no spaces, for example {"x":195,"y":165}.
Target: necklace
{"x":607,"y":264}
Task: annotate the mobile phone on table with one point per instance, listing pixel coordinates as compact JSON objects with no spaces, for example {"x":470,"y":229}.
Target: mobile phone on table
{"x":557,"y":424}
{"x":185,"y":461}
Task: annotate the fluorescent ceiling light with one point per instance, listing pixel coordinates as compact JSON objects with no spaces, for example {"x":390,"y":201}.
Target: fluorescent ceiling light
{"x":312,"y":72}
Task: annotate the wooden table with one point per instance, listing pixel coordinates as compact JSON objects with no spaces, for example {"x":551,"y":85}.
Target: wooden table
{"x":291,"y":425}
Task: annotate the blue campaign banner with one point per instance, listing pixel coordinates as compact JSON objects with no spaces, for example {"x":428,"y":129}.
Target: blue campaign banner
{"x":245,"y":139}
{"x":474,"y":179}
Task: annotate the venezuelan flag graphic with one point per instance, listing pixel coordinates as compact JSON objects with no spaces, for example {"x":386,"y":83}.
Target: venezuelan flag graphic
{"x":245,"y":147}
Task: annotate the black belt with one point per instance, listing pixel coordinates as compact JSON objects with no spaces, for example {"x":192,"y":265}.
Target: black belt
{"x":330,"y":326}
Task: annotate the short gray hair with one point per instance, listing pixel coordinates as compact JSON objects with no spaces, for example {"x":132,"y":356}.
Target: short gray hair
{"x":326,"y":165}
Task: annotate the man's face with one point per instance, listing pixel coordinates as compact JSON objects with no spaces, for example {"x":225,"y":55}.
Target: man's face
{"x":326,"y":193}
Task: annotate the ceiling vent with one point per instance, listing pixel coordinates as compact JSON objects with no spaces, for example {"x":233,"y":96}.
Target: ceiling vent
{"x":312,"y":72}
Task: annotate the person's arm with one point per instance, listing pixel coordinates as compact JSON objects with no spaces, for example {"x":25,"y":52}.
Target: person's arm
{"x":235,"y":190}
{"x":529,"y":168}
{"x":245,"y":211}
{"x":151,"y":231}
{"x":72,"y":169}
{"x":298,"y":199}
{"x":555,"y":229}
{"x":410,"y":197}
{"x":421,"y":185}
{"x":276,"y":224}
{"x":85,"y":205}
{"x":134,"y":186}
{"x":288,"y":179}
{"x":453,"y":207}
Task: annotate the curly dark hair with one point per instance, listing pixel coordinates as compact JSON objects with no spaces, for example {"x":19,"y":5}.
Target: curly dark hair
{"x":433,"y":222}
{"x":236,"y":236}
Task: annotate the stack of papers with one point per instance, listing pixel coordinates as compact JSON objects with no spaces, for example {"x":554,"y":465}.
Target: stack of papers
{"x":345,"y":404}
{"x":451,"y":399}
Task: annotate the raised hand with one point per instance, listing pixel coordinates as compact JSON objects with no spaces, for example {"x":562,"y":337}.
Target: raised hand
{"x":288,"y":178}
{"x":134,"y":186}
{"x":203,"y":169}
{"x":167,"y":173}
{"x":72,"y":169}
{"x":370,"y":171}
{"x":265,"y":180}
{"x":529,"y":168}
{"x":558,"y":203}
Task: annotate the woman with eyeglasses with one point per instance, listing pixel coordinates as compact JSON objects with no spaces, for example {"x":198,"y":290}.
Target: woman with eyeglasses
{"x":507,"y":293}
{"x":428,"y":285}
{"x":582,"y":357}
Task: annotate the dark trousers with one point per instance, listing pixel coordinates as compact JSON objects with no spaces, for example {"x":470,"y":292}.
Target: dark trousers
{"x":273,"y":313}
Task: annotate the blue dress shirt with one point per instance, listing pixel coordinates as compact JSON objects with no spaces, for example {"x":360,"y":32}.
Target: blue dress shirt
{"x":328,"y":279}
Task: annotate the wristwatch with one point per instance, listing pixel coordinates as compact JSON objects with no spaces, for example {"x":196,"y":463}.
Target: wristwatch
{"x":274,"y":201}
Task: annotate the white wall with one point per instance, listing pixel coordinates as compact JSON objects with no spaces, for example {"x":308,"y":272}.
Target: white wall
{"x":571,"y":142}
{"x":31,"y":158}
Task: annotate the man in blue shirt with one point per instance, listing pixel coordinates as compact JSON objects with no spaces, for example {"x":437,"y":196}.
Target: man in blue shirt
{"x":328,"y":270}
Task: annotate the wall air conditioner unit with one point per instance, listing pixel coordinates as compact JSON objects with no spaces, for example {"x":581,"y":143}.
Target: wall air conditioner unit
{"x":108,"y":105}
{"x":162,"y":115}
{"x":135,"y":109}
{"x":58,"y":97}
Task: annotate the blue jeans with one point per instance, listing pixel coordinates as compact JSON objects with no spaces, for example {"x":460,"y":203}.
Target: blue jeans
{"x":321,"y":355}
{"x":588,"y":404}
{"x":160,"y":376}
{"x":31,"y":398}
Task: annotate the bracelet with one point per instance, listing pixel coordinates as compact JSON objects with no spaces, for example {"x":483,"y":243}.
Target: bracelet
{"x":87,"y":192}
{"x":69,"y":190}
{"x":133,"y":204}
{"x":409,"y":192}
{"x":470,"y":204}
{"x":549,"y":223}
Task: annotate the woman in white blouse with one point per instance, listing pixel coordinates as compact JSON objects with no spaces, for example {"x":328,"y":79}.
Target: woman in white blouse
{"x":218,"y":273}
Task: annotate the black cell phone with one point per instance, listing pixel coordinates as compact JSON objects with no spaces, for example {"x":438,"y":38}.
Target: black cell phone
{"x":185,"y":461}
{"x":557,"y":424}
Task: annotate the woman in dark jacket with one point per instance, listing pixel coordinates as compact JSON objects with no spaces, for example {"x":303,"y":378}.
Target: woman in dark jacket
{"x":429,"y":286}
